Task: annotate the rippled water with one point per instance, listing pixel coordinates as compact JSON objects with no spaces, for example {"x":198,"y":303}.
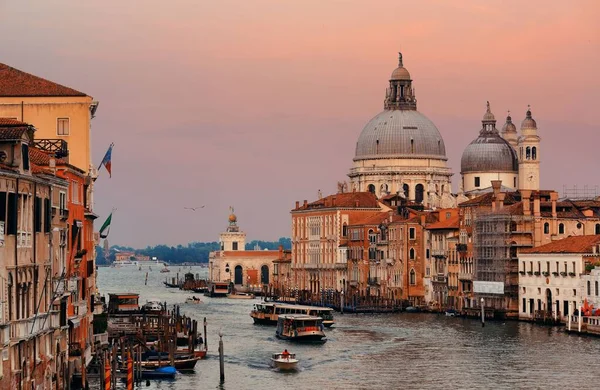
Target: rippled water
{"x":373,"y":351}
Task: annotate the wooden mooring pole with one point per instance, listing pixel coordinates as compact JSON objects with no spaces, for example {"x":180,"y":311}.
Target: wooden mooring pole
{"x":221,"y":358}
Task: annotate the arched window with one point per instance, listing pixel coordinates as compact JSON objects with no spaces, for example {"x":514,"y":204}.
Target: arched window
{"x":419,"y":189}
{"x":413,"y":277}
{"x":412,"y":145}
{"x":344,"y":230}
{"x":405,"y":188}
{"x":546,"y":228}
{"x":561,"y":228}
{"x":411,"y":254}
{"x":513,"y":226}
{"x":264,"y":274}
{"x":528,"y":153}
{"x":239,"y":274}
{"x":598,"y":228}
{"x":534,"y":153}
{"x":589,"y":288}
{"x":371,"y":188}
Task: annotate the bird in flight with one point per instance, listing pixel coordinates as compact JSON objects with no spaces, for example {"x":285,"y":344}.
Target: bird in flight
{"x":193,"y":208}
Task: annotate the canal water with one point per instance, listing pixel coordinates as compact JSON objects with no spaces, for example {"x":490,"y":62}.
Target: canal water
{"x":400,"y":351}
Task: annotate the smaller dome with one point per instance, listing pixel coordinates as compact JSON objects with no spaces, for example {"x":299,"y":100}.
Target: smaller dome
{"x":400,"y":73}
{"x":232,"y":218}
{"x":509,"y":126}
{"x":528,"y":122}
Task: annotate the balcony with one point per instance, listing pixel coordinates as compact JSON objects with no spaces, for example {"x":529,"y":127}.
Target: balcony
{"x":376,"y":281}
{"x":438,"y":253}
{"x":81,"y":308}
{"x":56,"y":146}
{"x":59,"y":286}
{"x":465,"y":276}
{"x":30,"y":327}
{"x":439,"y":279}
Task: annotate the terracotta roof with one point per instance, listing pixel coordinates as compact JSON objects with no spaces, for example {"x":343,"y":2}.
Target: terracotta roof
{"x":372,"y":219}
{"x":12,"y":129}
{"x":486,"y":199}
{"x":8,"y":168}
{"x":344,"y":200}
{"x":16,"y":83}
{"x":39,"y":157}
{"x":450,"y":223}
{"x":571,"y":244}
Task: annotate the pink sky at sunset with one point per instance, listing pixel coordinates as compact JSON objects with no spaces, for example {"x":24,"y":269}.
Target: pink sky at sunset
{"x":257,"y":104}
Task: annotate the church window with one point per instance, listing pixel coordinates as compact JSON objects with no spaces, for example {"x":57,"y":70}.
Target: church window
{"x":413,"y":277}
{"x":598,"y":228}
{"x":546,"y":228}
{"x":561,"y":228}
{"x":377,"y":147}
{"x":419,"y":190}
{"x":534,"y":153}
{"x":371,"y":188}
{"x":439,"y":147}
{"x":528,"y":153}
{"x":401,"y":88}
{"x":411,"y":254}
{"x":477,"y":181}
{"x":234,"y":245}
{"x":412,"y":145}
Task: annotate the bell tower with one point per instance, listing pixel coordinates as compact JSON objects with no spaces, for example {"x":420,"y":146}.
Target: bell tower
{"x":529,"y":154}
{"x":232,"y":239}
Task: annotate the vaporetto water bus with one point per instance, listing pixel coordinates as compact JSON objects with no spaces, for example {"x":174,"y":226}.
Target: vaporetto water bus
{"x":267,"y":313}
{"x":301,"y":328}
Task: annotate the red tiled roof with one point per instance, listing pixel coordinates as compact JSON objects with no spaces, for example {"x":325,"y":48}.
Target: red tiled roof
{"x":39,"y":157}
{"x":486,"y":199}
{"x":372,"y":219}
{"x":12,"y":129}
{"x":571,"y":244}
{"x":344,"y":200}
{"x":450,"y":223}
{"x":8,"y":168}
{"x":16,"y":83}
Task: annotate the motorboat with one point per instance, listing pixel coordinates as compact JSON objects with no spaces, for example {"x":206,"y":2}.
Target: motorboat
{"x":412,"y":309}
{"x":167,"y":372}
{"x":301,"y":328}
{"x":153,"y":305}
{"x":451,"y":313}
{"x":193,"y":300}
{"x":241,"y":296}
{"x":284,"y":362}
{"x":267,"y":313}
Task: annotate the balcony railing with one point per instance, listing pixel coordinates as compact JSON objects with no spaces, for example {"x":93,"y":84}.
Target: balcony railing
{"x":57,"y":146}
{"x":30,"y":327}
{"x":438,"y":253}
{"x":439,"y":278}
{"x":465,"y":276}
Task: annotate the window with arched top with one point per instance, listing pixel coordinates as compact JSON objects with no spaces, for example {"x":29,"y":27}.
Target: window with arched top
{"x":344,"y":230}
{"x":411,"y":254}
{"x":561,"y":228}
{"x":528,"y":153}
{"x":405,"y":189}
{"x":419,"y":192}
{"x":413,"y":277}
{"x":371,"y":188}
{"x":534,"y":153}
{"x":546,"y":228}
{"x":412,"y":145}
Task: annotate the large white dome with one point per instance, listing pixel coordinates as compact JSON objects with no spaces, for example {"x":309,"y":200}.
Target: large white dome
{"x":400,"y":134}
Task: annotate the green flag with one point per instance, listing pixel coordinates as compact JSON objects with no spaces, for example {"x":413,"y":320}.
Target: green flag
{"x":106,"y":226}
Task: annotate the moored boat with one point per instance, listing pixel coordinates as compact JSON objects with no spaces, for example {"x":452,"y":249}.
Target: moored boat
{"x":241,"y":296}
{"x":284,"y":362}
{"x":153,"y":306}
{"x":301,"y":328}
{"x":193,"y":300}
{"x":181,"y":362}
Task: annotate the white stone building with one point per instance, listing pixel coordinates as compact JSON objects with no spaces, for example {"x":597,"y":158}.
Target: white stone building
{"x":590,"y":285}
{"x":551,"y":276}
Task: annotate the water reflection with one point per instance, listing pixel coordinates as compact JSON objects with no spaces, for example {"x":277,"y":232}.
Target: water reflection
{"x":375,"y":352}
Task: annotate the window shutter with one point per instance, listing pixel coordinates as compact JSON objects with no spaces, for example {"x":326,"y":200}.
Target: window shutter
{"x":37,"y":214}
{"x":47,"y":215}
{"x":11,"y":224}
{"x":3,"y":206}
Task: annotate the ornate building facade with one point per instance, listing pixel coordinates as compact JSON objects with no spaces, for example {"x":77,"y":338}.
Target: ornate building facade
{"x":401,"y":151}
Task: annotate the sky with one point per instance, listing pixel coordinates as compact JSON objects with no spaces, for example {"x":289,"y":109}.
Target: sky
{"x":258,"y":104}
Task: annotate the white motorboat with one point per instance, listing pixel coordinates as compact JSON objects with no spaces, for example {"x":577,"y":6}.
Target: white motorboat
{"x":193,"y":300}
{"x":153,"y":305}
{"x":284,"y":362}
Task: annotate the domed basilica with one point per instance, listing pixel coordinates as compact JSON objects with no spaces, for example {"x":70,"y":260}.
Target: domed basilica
{"x":401,"y":151}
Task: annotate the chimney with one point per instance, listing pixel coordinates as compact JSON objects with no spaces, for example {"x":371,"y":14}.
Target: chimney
{"x":356,"y":203}
{"x":281,"y":251}
{"x":525,"y":198}
{"x":305,"y":203}
{"x":297,"y":204}
{"x":536,"y":205}
{"x":423,"y":216}
{"x":554,"y":198}
{"x":496,"y":185}
{"x":501,"y":197}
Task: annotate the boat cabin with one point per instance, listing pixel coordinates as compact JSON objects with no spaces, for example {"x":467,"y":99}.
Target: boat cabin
{"x":300,"y":328}
{"x":123,"y":303}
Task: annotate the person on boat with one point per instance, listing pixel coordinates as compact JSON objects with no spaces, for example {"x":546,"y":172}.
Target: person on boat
{"x":285,"y":354}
